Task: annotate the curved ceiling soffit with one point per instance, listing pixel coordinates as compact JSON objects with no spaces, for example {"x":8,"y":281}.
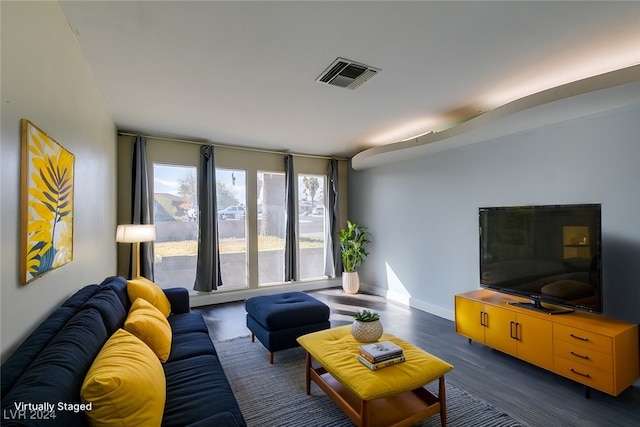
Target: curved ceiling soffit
{"x":553,"y":105}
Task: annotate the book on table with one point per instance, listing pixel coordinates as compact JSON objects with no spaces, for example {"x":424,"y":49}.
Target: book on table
{"x":380,"y":365}
{"x":380,"y":351}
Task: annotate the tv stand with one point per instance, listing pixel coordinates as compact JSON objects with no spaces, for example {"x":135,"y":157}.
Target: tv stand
{"x":537,"y":306}
{"x":593,"y":350}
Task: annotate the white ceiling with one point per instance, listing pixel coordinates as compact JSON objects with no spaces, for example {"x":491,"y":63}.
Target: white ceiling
{"x":243,"y":73}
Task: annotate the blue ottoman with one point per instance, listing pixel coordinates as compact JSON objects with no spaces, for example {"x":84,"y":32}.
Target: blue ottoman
{"x":277,"y":320}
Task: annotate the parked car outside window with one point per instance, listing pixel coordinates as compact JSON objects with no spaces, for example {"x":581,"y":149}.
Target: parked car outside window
{"x":232,"y":212}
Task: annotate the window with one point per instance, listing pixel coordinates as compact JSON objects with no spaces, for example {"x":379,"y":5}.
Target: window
{"x":271,"y":227}
{"x":175,"y":216}
{"x":250,"y":196}
{"x":231,"y":191}
{"x":311,"y":225}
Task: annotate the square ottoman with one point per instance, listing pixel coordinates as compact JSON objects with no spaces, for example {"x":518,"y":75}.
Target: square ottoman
{"x":278,"y":320}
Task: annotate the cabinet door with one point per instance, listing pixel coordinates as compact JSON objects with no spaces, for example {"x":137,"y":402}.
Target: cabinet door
{"x":500,"y":329}
{"x":469,"y":318}
{"x":535,"y":340}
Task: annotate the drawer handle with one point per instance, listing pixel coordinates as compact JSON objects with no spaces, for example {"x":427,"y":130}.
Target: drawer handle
{"x":580,"y":373}
{"x":580,"y":356}
{"x":579,"y":338}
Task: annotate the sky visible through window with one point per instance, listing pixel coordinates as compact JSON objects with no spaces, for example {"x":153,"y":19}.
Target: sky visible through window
{"x":167,"y":179}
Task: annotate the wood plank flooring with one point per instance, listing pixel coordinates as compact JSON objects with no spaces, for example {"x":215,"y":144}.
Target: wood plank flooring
{"x":529,"y":394}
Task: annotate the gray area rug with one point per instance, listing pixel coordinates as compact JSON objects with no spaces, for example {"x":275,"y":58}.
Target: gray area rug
{"x":274,"y":395}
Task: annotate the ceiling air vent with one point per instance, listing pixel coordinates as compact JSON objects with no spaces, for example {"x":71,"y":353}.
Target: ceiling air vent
{"x":346,"y":73}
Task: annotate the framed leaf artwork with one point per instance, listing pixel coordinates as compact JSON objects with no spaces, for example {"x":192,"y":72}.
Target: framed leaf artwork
{"x":47,"y":204}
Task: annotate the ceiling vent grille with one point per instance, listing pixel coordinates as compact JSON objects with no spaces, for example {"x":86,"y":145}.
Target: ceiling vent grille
{"x":346,"y":73}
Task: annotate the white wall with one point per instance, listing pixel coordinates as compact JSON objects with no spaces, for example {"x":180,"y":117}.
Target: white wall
{"x":46,"y":80}
{"x":423,"y":213}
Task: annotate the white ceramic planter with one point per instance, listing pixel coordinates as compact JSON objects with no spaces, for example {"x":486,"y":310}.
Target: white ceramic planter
{"x":366,"y":331}
{"x":350,"y":282}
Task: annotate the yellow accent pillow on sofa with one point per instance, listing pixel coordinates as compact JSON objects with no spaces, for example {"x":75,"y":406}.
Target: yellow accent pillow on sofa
{"x":149,"y":324}
{"x":146,"y":289}
{"x":125,"y":384}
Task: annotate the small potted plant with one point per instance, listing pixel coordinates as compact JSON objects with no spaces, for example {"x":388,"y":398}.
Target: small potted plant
{"x":353,"y":241}
{"x":366,"y":326}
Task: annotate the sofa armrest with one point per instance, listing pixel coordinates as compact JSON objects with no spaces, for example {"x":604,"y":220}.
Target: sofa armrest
{"x":179,"y":299}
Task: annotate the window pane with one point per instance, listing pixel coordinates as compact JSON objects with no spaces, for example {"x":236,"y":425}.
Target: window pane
{"x":311,"y":225}
{"x":175,"y":217}
{"x":271,"y":225}
{"x":231,"y":189}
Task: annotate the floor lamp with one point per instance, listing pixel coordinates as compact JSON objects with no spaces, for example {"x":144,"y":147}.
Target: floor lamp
{"x":135,"y":233}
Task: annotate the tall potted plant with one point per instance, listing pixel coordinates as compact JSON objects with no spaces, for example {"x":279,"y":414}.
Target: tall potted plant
{"x":353,"y":241}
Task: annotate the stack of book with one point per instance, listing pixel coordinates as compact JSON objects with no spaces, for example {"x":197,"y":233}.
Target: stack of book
{"x":380,"y":354}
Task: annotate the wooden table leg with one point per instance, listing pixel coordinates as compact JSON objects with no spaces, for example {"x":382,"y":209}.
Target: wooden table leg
{"x":442,"y":397}
{"x":364,"y":414}
{"x":308,"y":374}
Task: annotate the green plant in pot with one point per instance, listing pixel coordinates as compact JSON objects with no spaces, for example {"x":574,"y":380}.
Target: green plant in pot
{"x":353,"y":242}
{"x":366,"y":326}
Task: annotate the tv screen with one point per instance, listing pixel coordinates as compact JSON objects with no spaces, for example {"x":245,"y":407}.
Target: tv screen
{"x":547,"y":254}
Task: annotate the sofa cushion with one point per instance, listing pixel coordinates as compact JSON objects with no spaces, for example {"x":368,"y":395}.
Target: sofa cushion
{"x":186,"y":323}
{"x":149,"y":324}
{"x":119,"y":285}
{"x":80,"y":297}
{"x":197,"y":388}
{"x":57,"y":373}
{"x":126,"y":384}
{"x":146,"y":289}
{"x":31,"y":347}
{"x":108,"y":304}
{"x":189,"y":345}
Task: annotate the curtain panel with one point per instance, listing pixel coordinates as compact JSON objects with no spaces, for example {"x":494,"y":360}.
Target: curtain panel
{"x":290,"y":253}
{"x":332,"y":256}
{"x":208,"y":274}
{"x":140,"y":203}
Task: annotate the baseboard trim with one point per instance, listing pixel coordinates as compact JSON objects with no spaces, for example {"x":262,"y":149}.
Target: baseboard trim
{"x":199,"y":299}
{"x":410,"y":301}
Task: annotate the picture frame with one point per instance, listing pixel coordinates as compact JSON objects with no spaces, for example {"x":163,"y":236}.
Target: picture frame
{"x":47,"y":181}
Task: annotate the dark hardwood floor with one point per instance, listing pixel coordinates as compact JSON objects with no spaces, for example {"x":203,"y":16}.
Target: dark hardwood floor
{"x":529,"y":394}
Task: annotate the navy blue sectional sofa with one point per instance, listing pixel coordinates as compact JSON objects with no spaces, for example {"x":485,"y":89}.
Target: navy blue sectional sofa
{"x":52,"y":362}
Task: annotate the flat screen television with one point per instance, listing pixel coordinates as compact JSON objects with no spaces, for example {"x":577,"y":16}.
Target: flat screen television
{"x":547,"y":254}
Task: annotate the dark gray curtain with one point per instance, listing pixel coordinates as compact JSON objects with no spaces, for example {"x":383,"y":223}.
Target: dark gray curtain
{"x":140,"y":211}
{"x":208,"y":275}
{"x":290,"y":257}
{"x":332,"y":257}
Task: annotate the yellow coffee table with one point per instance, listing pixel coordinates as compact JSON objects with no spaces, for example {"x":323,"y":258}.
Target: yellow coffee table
{"x":391,"y":396}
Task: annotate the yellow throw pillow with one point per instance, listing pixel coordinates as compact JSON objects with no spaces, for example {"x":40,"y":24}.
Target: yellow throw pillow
{"x":149,"y":324}
{"x":125,"y":384}
{"x":146,"y":289}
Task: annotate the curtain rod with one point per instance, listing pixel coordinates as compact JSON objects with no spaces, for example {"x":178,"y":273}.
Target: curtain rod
{"x":259,"y":150}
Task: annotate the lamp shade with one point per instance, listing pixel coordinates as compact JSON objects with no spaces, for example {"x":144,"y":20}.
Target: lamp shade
{"x":132,"y":233}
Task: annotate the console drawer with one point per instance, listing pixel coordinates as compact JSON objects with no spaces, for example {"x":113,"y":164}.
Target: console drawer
{"x":583,"y":338}
{"x":588,"y":376}
{"x":584,"y":356}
